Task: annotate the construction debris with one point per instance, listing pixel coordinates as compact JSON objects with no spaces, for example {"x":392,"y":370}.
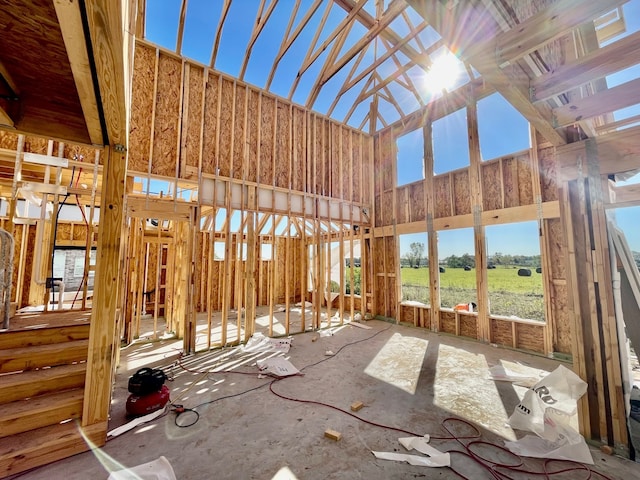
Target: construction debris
{"x":332,"y":434}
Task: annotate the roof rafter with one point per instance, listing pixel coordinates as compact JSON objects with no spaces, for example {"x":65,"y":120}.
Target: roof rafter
{"x":288,"y":39}
{"x":312,"y":45}
{"x":597,"y":64}
{"x":464,"y":29}
{"x":218,"y":34}
{"x":261,"y":21}
{"x":332,"y":36}
{"x":183,"y":12}
{"x":330,"y":69}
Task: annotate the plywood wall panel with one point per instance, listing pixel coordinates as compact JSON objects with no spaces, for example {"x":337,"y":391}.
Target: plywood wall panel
{"x":387,"y":208}
{"x":28,"y":266}
{"x":299,"y":149}
{"x":388,"y":160}
{"x":80,"y":153}
{"x":227,"y":137}
{"x":210,"y":146}
{"x":442,"y":196}
{"x":191,"y":148}
{"x":359,"y":142}
{"x":35,"y":144}
{"x":525,"y":179}
{"x":335,"y":188}
{"x":501,"y":332}
{"x":253,"y":136}
{"x":8,"y":140}
{"x":239,"y":132}
{"x":265,"y":167}
{"x":491,"y":185}
{"x":468,"y":326}
{"x":378,"y":162}
{"x":402,"y":204}
{"x":283,"y":146}
{"x":448,"y":322}
{"x":510,"y":179}
{"x":347,"y":164}
{"x":462,"y":193}
{"x":530,"y":337}
{"x":562,"y":326}
{"x":556,"y":248}
{"x":416,"y":202}
{"x":548,"y":174}
{"x":167,"y":116}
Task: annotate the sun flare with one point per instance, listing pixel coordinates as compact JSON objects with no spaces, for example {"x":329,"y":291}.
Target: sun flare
{"x":443,"y":73}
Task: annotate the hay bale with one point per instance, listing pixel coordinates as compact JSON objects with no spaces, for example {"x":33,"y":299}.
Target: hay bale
{"x":539,"y":270}
{"x":524,"y":272}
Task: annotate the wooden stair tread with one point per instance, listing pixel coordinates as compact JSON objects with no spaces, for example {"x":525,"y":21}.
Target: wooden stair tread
{"x":28,"y":358}
{"x":31,"y":337}
{"x":23,"y":415}
{"x":41,"y":446}
{"x":17,"y":386}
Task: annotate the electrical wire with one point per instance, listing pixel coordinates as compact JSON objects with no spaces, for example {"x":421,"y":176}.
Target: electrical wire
{"x":470,"y":441}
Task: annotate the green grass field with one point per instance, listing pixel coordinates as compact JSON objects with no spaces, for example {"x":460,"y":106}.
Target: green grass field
{"x":509,"y":294}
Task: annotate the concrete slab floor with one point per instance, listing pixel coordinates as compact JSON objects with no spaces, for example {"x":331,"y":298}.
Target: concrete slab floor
{"x":406,"y":377}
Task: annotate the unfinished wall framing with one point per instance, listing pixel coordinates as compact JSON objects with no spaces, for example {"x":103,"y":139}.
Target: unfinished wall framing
{"x":517,"y":187}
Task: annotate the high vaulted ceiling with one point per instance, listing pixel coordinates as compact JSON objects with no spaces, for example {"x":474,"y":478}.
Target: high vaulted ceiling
{"x":368,"y":63}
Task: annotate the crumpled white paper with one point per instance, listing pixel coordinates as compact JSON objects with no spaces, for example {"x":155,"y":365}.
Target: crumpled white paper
{"x":259,"y":343}
{"x":546,"y":410}
{"x":277,"y":366}
{"x":436,"y":458}
{"x":159,"y":469}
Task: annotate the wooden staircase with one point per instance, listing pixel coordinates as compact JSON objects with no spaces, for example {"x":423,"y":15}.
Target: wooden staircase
{"x":42,"y":377}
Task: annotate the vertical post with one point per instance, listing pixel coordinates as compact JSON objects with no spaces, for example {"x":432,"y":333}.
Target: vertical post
{"x":102,"y":341}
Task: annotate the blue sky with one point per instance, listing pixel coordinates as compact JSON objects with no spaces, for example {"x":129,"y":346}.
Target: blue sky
{"x":502,"y":129}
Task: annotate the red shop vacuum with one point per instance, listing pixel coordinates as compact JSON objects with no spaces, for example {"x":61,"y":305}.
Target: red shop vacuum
{"x":148,"y":392}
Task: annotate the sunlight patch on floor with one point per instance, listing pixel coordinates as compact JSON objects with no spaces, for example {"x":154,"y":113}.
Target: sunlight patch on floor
{"x":463,"y":387}
{"x":399,"y":362}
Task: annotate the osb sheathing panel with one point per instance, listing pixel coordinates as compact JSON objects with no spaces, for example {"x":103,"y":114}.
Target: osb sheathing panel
{"x":167,"y":117}
{"x":79,"y":232}
{"x":28,"y":266}
{"x":387,"y":208}
{"x":63,"y":232}
{"x":265,"y":167}
{"x":387,"y":151}
{"x":299,"y":149}
{"x":8,"y":140}
{"x":409,"y":314}
{"x":381,"y":288}
{"x":227,"y":137}
{"x":334,"y":161}
{"x":253,"y":136}
{"x":191,"y":148}
{"x":81,"y":153}
{"x":347,"y":164}
{"x":359,"y":143}
{"x":416,"y":202}
{"x":377,"y":163}
{"x":518,"y":189}
{"x":525,"y":179}
{"x":378,"y":256}
{"x":402,"y":204}
{"x":216,"y":270}
{"x":36,"y":145}
{"x":448,"y":322}
{"x":491,"y":186}
{"x":562,"y":327}
{"x":390,"y":250}
{"x":141,"y":108}
{"x":152,"y":267}
{"x":283,"y":146}
{"x":556,"y":248}
{"x":530,"y":337}
{"x":501,"y":332}
{"x":17,"y":239}
{"x":548,"y":174}
{"x":468,"y":326}
{"x":239,"y":134}
{"x":323,"y":158}
{"x":462,"y":196}
{"x":378,"y":211}
{"x":442,"y":196}
{"x":210,"y":146}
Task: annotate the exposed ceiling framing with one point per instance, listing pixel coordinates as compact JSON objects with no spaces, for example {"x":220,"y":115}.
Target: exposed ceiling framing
{"x":342,"y":58}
